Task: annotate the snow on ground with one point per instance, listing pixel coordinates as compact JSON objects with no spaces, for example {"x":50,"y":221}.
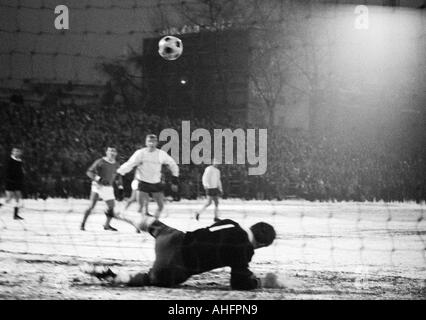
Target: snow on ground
{"x":322,"y":251}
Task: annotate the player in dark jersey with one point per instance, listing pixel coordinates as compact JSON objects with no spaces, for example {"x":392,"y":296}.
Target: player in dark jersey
{"x":180,"y":255}
{"x":103,"y":175}
{"x":14,"y":179}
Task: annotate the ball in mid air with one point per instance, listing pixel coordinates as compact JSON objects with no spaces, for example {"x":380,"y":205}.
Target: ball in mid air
{"x":170,"y":47}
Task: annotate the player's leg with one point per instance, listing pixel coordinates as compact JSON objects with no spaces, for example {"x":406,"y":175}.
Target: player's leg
{"x":168,"y":268}
{"x":17,"y":196}
{"x":134,"y":186}
{"x":205,"y":206}
{"x":216,"y":208}
{"x":107,"y":194}
{"x":144,"y":223}
{"x":143,"y":199}
{"x":109,"y":213}
{"x":155,"y":277}
{"x":6,"y":200}
{"x":130,"y":200}
{"x":9,"y":196}
{"x":94,"y":196}
{"x":140,"y":209}
{"x":139,"y":279}
{"x":133,"y":197}
{"x":159,"y":198}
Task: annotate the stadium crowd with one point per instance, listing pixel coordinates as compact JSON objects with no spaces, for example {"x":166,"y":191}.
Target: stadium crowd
{"x":60,"y":142}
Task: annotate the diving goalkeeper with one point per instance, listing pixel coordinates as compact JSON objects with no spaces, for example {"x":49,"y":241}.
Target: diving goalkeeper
{"x":180,"y":255}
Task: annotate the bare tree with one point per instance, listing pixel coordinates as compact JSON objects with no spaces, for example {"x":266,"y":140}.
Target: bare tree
{"x":284,"y":52}
{"x":283,"y":41}
{"x":125,"y":77}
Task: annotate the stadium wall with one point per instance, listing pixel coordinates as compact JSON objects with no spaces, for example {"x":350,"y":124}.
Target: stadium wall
{"x":322,"y":45}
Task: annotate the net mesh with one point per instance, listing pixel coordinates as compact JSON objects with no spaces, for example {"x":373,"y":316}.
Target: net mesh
{"x":323,"y":249}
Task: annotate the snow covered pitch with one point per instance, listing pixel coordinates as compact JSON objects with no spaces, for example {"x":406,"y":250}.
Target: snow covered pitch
{"x":323,"y":251}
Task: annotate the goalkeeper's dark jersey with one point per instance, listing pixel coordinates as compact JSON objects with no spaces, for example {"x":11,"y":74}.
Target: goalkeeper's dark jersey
{"x":223,"y":244}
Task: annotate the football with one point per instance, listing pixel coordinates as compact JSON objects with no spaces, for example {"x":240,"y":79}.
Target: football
{"x":170,"y":47}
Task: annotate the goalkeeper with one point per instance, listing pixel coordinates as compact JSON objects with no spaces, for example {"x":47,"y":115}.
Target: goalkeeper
{"x":180,"y":255}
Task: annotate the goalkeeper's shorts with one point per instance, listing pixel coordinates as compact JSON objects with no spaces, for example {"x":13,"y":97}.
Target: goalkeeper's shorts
{"x":104,"y":192}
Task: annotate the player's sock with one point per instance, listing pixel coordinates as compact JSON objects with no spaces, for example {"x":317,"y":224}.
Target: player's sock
{"x":216,"y":219}
{"x":15,"y":214}
{"x":109,"y":215}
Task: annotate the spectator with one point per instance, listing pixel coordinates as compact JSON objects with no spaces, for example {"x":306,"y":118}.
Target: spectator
{"x":60,"y":142}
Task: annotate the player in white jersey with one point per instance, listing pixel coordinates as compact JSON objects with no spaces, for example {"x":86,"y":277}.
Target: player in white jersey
{"x":148,"y":162}
{"x":213,"y":186}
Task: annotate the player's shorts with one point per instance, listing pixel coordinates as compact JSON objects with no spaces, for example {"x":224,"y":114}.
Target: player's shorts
{"x":213,"y":192}
{"x":169,"y":267}
{"x":14,"y":186}
{"x":135,"y":185}
{"x":150,"y":187}
{"x":105,"y":192}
